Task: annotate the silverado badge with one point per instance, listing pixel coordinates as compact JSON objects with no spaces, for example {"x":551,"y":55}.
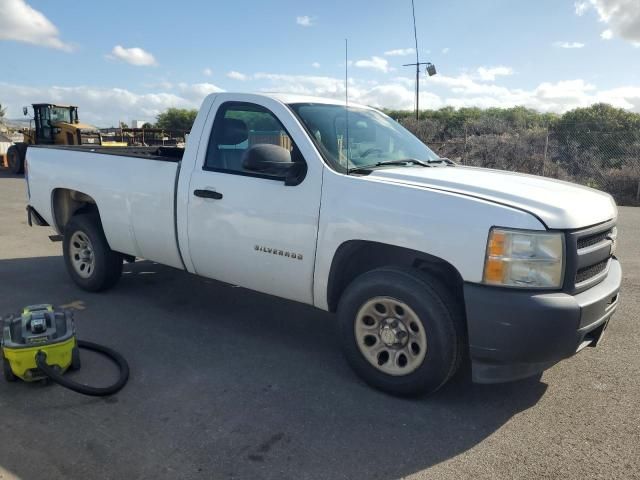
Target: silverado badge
{"x":275,"y":251}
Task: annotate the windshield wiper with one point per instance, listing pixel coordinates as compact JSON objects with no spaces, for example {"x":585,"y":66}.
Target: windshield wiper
{"x":404,"y":161}
{"x":443,"y":160}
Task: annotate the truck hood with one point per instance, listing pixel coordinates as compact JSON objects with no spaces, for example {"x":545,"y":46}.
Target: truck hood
{"x":560,"y":205}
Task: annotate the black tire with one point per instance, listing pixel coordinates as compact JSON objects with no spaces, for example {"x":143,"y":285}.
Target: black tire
{"x":436,"y":308}
{"x":107,"y":266}
{"x":9,"y":376}
{"x":76,"y":363}
{"x":15,"y":160}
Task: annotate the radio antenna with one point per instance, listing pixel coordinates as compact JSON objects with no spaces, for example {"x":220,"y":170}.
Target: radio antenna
{"x":346,"y":97}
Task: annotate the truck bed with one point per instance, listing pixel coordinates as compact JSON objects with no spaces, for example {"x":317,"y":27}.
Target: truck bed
{"x":165,"y":154}
{"x":134,"y":189}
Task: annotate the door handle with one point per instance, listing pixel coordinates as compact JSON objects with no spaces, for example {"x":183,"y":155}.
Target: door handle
{"x":207,"y":194}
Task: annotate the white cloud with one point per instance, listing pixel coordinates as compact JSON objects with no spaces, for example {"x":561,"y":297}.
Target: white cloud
{"x":376,"y":63}
{"x":195,"y":92}
{"x":392,"y":95}
{"x":622,"y":97}
{"x":564,"y":90}
{"x":606,"y":34}
{"x":464,"y":91}
{"x":106,"y":106}
{"x":315,"y":65}
{"x":622,"y":17}
{"x":237,"y":76}
{"x":490,"y":73}
{"x":581,"y":8}
{"x":21,"y":22}
{"x":445,"y":50}
{"x":568,"y":45}
{"x":207,"y":72}
{"x":134,"y":56}
{"x":459,"y":91}
{"x":304,"y":20}
{"x":302,"y":84}
{"x":465,"y":85}
{"x":399,"y":52}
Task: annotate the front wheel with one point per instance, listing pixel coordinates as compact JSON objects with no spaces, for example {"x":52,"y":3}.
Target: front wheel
{"x":15,"y":160}
{"x":402,"y":330}
{"x":92,"y":265}
{"x":9,"y":376}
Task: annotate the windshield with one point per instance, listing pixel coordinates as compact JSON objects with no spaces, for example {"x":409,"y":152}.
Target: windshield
{"x":372,"y":136}
{"x":61,"y":114}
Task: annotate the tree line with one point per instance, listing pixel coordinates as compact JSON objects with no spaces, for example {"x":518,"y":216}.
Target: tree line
{"x":173,"y":119}
{"x":447,"y":123}
{"x":598,"y":146}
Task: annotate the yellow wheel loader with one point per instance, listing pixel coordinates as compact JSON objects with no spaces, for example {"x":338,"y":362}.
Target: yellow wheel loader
{"x":54,"y":125}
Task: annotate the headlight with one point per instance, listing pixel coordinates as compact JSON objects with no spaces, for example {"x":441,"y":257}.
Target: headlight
{"x":524,"y":259}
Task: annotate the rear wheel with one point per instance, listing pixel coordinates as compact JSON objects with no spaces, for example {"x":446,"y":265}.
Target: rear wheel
{"x":92,"y":265}
{"x":401,"y":330}
{"x":15,"y":160}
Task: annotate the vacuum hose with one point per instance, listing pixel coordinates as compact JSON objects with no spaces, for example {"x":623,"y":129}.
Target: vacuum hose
{"x":41,"y":361}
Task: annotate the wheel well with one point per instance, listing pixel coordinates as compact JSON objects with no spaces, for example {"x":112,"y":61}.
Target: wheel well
{"x":356,"y":257}
{"x":67,"y":203}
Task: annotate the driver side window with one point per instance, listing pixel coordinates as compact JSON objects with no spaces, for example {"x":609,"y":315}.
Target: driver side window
{"x":237,"y":128}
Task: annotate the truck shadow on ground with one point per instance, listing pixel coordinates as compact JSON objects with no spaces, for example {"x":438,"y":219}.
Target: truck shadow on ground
{"x":227,"y":383}
{"x":6,"y":173}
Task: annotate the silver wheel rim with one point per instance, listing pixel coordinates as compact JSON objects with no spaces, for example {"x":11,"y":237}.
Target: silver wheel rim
{"x":81,"y":253}
{"x":390,"y":336}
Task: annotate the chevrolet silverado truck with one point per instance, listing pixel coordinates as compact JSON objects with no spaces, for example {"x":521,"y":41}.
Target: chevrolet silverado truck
{"x":426,"y":263}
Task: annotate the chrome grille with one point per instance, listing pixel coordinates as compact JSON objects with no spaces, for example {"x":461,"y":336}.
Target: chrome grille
{"x":593,"y":254}
{"x":593,"y":239}
{"x":586,"y":273}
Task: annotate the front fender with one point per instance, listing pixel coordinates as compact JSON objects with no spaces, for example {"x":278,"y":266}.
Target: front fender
{"x":444,"y":225}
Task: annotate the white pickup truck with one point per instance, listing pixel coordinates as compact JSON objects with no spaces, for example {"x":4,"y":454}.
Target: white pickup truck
{"x":427,"y":263}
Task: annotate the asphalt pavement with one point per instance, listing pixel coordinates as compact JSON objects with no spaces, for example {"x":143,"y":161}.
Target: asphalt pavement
{"x":232,"y":384}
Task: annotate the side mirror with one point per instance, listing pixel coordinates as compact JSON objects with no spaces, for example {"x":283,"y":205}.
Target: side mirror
{"x":25,"y":111}
{"x":274,"y":160}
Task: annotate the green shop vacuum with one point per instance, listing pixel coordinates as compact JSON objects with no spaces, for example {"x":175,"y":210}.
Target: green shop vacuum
{"x":40,"y":344}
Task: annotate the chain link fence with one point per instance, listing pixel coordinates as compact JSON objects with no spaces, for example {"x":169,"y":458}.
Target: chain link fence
{"x":605,"y":160}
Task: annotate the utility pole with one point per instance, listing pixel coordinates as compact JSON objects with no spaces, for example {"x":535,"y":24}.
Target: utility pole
{"x":431,"y":69}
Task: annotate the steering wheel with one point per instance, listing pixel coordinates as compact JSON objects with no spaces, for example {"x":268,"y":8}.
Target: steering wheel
{"x":369,"y":151}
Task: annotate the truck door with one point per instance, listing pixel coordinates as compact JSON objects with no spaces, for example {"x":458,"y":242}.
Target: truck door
{"x":246,"y":227}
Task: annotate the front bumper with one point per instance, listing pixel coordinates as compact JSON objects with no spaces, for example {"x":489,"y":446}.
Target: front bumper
{"x":515,"y":334}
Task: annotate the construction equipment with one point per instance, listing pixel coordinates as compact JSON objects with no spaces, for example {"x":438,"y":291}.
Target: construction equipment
{"x":54,"y":125}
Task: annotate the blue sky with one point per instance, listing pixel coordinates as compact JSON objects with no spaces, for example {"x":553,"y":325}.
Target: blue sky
{"x":122,"y":60}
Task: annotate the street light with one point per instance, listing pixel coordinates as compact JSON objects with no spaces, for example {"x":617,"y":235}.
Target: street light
{"x":430,"y":70}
